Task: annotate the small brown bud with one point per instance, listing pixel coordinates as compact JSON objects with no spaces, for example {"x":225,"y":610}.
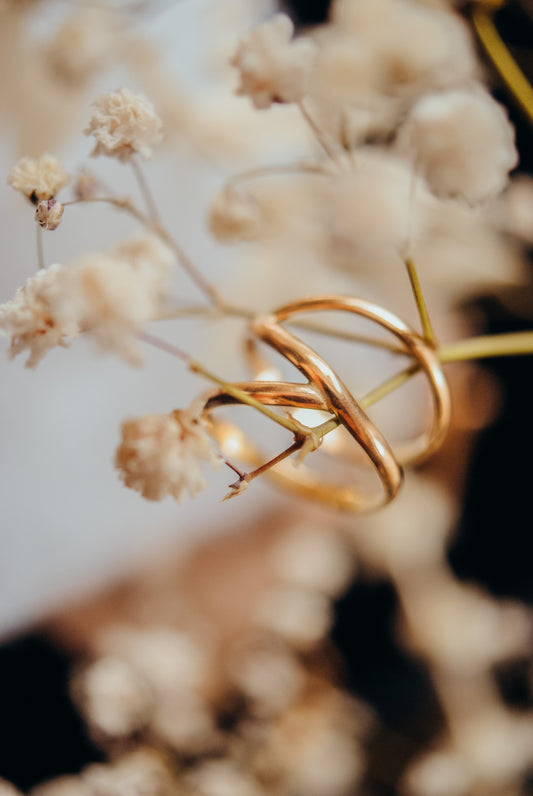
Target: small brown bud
{"x":48,"y":213}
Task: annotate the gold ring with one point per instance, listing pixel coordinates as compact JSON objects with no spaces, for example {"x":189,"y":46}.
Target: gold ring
{"x":268,"y":329}
{"x":325,"y":391}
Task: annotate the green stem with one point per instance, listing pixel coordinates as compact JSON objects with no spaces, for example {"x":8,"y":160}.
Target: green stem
{"x":502,"y":60}
{"x":492,"y":345}
{"x":243,"y":397}
{"x":427,"y":328}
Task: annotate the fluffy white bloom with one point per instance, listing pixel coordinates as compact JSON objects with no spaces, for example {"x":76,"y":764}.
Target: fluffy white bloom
{"x":273,"y":67}
{"x":124,"y":123}
{"x":114,"y":295}
{"x":49,"y":213}
{"x":36,"y":318}
{"x":366,"y":212}
{"x":115,"y":699}
{"x":38,"y":178}
{"x":463,"y":143}
{"x":161,"y":455}
{"x":234,"y":215}
{"x":409,"y":46}
{"x":148,"y":255}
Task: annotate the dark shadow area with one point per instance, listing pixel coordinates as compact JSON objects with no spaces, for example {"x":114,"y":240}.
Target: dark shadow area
{"x":43,"y":735}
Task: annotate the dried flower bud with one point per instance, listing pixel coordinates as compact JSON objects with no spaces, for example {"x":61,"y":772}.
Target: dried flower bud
{"x":161,"y":455}
{"x":115,"y":698}
{"x":124,"y":123}
{"x":234,"y":215}
{"x":86,"y":186}
{"x":300,"y":616}
{"x":463,"y":143}
{"x":49,"y":213}
{"x":38,"y":178}
{"x":273,"y":67}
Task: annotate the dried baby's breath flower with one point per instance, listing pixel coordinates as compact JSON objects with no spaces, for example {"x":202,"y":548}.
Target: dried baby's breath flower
{"x":63,"y":786}
{"x":162,"y":455}
{"x":463,"y":143}
{"x":86,"y":186}
{"x":315,"y":558}
{"x":115,"y":296}
{"x":300,"y":616}
{"x":38,"y":178}
{"x":408,"y":46}
{"x":222,"y":777}
{"x":268,"y":674}
{"x":273,"y":67}
{"x":148,"y":255}
{"x":143,"y":771}
{"x":115,"y":698}
{"x":80,"y":46}
{"x":37,"y":317}
{"x":124,"y":123}
{"x":234,"y":215}
{"x":439,"y":773}
{"x":48,"y":213}
{"x":366,"y":211}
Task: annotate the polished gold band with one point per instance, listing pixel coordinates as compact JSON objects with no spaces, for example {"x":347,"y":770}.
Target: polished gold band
{"x":325,"y":391}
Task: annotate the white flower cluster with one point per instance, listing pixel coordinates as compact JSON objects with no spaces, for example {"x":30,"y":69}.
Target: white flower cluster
{"x":272,"y":66}
{"x":38,"y":178}
{"x":111,"y":296}
{"x":36,"y":318}
{"x":161,"y":455}
{"x":463,"y":143}
{"x":124,"y":123}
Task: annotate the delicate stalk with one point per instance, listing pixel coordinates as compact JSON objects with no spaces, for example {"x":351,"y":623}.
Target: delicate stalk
{"x":504,"y":63}
{"x":184,"y":260}
{"x":144,"y":188}
{"x":491,"y":345}
{"x":272,"y":462}
{"x":230,"y":389}
{"x":276,"y":171}
{"x":318,"y":134}
{"x":427,"y":328}
{"x":39,"y":244}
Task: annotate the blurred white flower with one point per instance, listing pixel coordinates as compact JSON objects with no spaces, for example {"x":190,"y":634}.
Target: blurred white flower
{"x":273,"y":67}
{"x":234,"y":215}
{"x":462,"y":142}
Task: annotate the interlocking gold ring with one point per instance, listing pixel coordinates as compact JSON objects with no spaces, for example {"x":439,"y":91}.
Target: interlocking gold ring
{"x":325,"y":391}
{"x":305,"y":359}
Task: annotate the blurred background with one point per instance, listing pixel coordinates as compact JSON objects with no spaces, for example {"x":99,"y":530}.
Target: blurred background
{"x":81,"y":555}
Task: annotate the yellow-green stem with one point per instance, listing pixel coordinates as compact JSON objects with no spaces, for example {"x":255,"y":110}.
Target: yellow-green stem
{"x":509,"y":71}
{"x":427,"y":328}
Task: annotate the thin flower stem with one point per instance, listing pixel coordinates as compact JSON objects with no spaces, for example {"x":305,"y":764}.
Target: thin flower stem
{"x":142,"y":182}
{"x":243,"y":397}
{"x":246,"y":314}
{"x":318,"y":134}
{"x":427,"y":328}
{"x":277,"y":171}
{"x":184,"y":260}
{"x":272,"y":462}
{"x":230,"y":389}
{"x":39,"y":245}
{"x":187,"y":264}
{"x":492,"y":345}
{"x":507,"y":68}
